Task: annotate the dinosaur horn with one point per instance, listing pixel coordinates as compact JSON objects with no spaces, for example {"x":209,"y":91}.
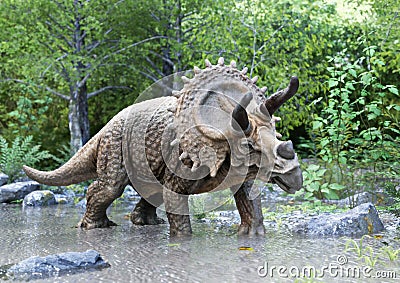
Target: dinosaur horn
{"x":240,"y":121}
{"x":277,"y":99}
{"x":286,"y":150}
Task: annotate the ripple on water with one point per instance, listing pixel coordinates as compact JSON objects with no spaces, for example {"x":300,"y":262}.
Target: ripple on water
{"x":146,"y":254}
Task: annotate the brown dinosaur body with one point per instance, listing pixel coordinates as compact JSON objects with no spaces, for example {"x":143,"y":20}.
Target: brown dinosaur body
{"x":218,"y":132}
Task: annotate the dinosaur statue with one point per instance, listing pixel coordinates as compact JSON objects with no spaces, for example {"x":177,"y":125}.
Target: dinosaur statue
{"x":217,"y":132}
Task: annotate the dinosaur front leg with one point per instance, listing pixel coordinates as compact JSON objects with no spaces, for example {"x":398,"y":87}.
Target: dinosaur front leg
{"x":177,"y":208}
{"x":249,"y":210}
{"x":144,"y":212}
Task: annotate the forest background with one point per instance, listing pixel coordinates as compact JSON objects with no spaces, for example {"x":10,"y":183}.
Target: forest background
{"x":68,"y":66}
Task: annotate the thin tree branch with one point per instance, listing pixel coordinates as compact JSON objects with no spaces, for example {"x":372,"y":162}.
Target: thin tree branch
{"x":165,"y":59}
{"x":253,"y":59}
{"x":82,"y":37}
{"x":154,"y":16}
{"x":113,"y":6}
{"x":272,"y":36}
{"x":58,"y":24}
{"x":149,"y":76}
{"x":97,"y":43}
{"x":65,"y":97}
{"x":189,"y":14}
{"x":94,"y":93}
{"x":51,"y":64}
{"x":93,"y":46}
{"x":58,"y":34}
{"x":86,"y":77}
{"x":396,"y":14}
{"x":192,"y":28}
{"x":152,"y":73}
{"x":154,"y":66}
{"x":133,"y":45}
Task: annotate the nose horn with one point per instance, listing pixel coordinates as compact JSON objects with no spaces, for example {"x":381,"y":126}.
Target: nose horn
{"x":286,"y":150}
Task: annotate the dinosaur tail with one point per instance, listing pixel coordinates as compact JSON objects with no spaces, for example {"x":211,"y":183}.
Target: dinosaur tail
{"x":81,"y":167}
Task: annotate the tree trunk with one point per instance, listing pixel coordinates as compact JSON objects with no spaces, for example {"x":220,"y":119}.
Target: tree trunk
{"x":84,"y":113}
{"x":178,"y":29}
{"x":78,"y":105}
{"x":78,"y":118}
{"x":74,"y":127}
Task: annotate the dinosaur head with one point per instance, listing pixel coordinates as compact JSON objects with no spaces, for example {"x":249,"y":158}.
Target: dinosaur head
{"x":263,"y":141}
{"x":222,"y":116}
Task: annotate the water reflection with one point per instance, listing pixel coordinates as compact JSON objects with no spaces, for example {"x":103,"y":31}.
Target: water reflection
{"x":147,"y":254}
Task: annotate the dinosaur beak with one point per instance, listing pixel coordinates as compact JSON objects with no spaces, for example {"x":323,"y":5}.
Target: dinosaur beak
{"x":290,"y":182}
{"x":287,"y":173}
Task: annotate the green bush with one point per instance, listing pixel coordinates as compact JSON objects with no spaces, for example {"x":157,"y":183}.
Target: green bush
{"x":315,"y":185}
{"x":356,"y":134}
{"x":21,"y":152}
{"x":394,"y":192}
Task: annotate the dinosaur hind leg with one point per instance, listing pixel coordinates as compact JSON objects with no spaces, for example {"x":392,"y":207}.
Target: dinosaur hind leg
{"x":111,"y":179}
{"x":144,"y":212}
{"x":99,"y":197}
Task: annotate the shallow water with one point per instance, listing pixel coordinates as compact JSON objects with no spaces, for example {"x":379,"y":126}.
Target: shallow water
{"x":147,"y":254}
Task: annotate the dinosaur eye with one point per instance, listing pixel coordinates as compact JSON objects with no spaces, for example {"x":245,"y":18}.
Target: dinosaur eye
{"x":250,"y":146}
{"x":246,"y":146}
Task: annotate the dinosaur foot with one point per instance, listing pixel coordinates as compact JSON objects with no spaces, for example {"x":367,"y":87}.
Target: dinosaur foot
{"x":251,"y":230}
{"x":88,"y":224}
{"x":140,"y":217}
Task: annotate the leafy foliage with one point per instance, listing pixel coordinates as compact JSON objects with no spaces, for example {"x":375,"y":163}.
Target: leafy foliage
{"x":367,"y":252}
{"x":315,"y":186}
{"x":358,"y":127}
{"x":21,"y":152}
{"x":346,"y":114}
{"x":394,"y":192}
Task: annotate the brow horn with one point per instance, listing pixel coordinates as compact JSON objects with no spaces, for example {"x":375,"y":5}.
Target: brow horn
{"x":240,"y":121}
{"x":277,"y":99}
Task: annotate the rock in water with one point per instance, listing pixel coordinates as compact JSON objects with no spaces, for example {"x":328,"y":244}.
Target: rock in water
{"x":55,"y":265}
{"x":39,"y":198}
{"x":358,"y":221}
{"x":17,"y":191}
{"x":3,"y":179}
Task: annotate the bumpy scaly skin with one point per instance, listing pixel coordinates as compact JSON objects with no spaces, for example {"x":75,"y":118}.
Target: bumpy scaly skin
{"x":145,"y":214}
{"x":158,"y":147}
{"x":111,"y":177}
{"x":249,"y":210}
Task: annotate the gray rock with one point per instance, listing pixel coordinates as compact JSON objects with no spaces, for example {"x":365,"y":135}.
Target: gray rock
{"x":17,"y":191}
{"x":70,"y":194}
{"x":39,"y":198}
{"x":233,"y":214}
{"x":358,"y":221}
{"x":23,"y":178}
{"x":3,"y":179}
{"x":130,"y":194}
{"x":56,"y":265}
{"x":81,"y":204}
{"x":66,"y":197}
{"x":61,"y":199}
{"x":377,"y":198}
